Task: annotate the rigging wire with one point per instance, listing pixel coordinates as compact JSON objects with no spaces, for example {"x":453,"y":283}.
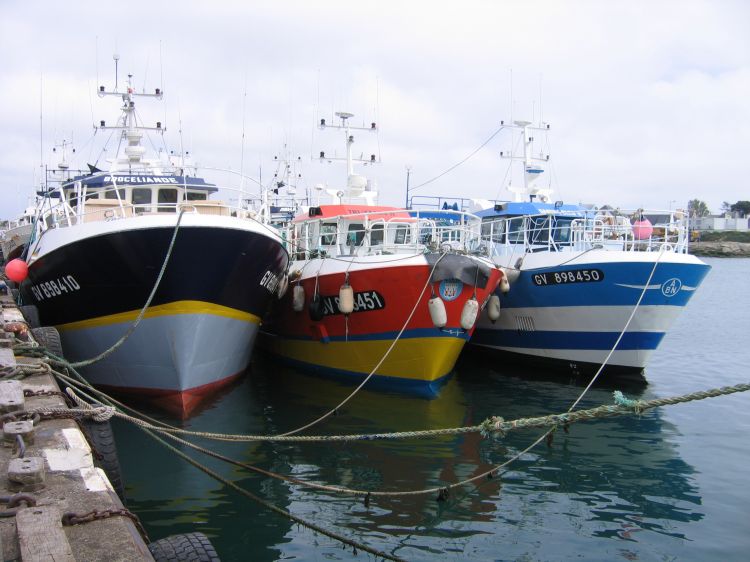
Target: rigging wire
{"x":481,"y":146}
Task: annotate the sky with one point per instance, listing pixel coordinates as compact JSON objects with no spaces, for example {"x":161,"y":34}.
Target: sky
{"x":647,"y":101}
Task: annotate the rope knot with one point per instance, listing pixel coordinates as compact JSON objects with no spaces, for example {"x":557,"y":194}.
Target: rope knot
{"x":491,"y":426}
{"x":623,"y":402}
{"x":99,"y":413}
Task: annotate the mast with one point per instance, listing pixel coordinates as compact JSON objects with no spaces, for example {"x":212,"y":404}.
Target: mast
{"x":130,"y":130}
{"x":531,"y":162}
{"x":357,"y":186}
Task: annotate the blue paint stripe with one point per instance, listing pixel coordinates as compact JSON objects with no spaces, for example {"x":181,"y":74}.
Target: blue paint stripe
{"x":612,"y":291}
{"x":408,"y":334}
{"x":603,"y":341}
{"x":377,"y":382}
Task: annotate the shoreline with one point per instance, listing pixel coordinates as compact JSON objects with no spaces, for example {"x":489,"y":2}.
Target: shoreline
{"x":720,"y":249}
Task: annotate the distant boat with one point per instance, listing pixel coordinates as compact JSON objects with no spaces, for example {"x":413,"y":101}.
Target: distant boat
{"x":101,"y":241}
{"x":577,"y":274}
{"x":379,"y":290}
{"x":15,"y":234}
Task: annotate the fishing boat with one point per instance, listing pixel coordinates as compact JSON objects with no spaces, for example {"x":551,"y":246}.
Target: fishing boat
{"x":377,"y":291}
{"x":147,"y":230}
{"x":588,"y":286}
{"x":15,"y":234}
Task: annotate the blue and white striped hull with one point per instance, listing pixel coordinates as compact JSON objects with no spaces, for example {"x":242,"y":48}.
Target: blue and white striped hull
{"x":577,"y":322}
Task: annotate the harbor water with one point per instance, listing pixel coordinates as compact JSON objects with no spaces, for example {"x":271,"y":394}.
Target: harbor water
{"x":670,"y":484}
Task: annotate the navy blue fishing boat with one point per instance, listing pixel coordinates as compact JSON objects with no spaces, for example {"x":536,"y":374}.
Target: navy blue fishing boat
{"x":102,"y":240}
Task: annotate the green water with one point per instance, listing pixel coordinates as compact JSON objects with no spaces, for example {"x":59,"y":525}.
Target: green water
{"x":668,"y":485}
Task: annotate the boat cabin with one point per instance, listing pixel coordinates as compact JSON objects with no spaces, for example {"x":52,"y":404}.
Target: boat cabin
{"x":108,"y":196}
{"x":345,"y":230}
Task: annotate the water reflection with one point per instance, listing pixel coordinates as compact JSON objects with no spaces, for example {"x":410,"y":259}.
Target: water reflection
{"x":610,"y":479}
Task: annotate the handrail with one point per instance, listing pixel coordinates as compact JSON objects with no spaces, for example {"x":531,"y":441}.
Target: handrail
{"x":581,"y":230}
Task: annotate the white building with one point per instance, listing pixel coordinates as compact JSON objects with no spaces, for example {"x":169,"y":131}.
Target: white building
{"x":720,"y":222}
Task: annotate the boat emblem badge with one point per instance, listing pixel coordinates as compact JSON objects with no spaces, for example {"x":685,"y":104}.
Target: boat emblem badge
{"x":671,"y":287}
{"x":450,"y":289}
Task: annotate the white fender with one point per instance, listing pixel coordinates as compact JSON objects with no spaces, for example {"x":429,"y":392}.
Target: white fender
{"x":346,"y":298}
{"x":504,"y":285}
{"x":298,"y":298}
{"x":493,"y":308}
{"x":469,"y":313}
{"x":511,"y":274}
{"x":436,"y":306}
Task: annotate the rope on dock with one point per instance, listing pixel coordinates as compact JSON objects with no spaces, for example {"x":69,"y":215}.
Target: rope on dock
{"x":105,"y":406}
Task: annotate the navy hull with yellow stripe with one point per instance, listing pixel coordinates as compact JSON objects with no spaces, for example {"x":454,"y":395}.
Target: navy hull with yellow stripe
{"x":198,"y":333}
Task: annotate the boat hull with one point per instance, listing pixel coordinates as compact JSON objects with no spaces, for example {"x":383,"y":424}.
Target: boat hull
{"x":558,"y":315}
{"x":387,"y":291}
{"x":197,"y":334}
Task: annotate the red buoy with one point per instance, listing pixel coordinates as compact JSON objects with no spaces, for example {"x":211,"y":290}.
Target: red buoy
{"x":16,"y":270}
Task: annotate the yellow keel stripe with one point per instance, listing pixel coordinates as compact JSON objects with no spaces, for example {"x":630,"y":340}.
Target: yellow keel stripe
{"x":170,"y":309}
{"x":420,"y":359}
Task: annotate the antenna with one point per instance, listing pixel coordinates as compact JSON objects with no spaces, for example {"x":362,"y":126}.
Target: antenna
{"x":242,"y":144}
{"x":41,"y":130}
{"x":541,"y":115}
{"x":116,"y":58}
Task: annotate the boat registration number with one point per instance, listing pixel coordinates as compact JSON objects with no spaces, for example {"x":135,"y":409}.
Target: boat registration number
{"x":363,"y":301}
{"x":569,"y":276}
{"x":55,"y":287}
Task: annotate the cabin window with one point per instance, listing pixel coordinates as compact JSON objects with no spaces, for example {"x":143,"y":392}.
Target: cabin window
{"x":327,"y":234}
{"x":402,"y":235}
{"x":91,"y":194}
{"x":355,"y":235}
{"x":561,"y":230}
{"x":112,"y":193}
{"x":195,"y":196}
{"x":71,"y":197}
{"x":539,"y":230}
{"x":376,"y":234}
{"x":515,"y":231}
{"x":168,"y":196}
{"x":141,"y":196}
{"x":493,"y":230}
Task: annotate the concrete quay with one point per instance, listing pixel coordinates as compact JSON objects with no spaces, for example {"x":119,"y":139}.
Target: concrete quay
{"x":48,"y":479}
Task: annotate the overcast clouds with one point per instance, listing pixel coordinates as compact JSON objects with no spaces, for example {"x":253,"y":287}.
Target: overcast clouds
{"x":649,"y":101}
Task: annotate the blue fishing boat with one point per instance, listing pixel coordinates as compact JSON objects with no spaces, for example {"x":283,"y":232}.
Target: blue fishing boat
{"x":585,"y":285}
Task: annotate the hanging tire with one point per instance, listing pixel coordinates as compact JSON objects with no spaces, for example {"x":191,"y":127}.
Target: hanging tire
{"x":31,"y":314}
{"x":192,"y":547}
{"x":102,"y":441}
{"x":49,"y":338}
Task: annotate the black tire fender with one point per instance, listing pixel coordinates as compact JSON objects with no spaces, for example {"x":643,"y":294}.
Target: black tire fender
{"x":31,"y":314}
{"x":193,"y":547}
{"x":49,"y":338}
{"x":102,"y":441}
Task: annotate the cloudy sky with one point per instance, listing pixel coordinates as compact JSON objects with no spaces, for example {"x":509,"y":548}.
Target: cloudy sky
{"x":648,"y":101}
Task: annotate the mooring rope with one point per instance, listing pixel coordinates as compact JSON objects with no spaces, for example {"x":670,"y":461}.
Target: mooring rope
{"x":382,"y":359}
{"x":622,"y":332}
{"x":491,"y":425}
{"x":356,"y":545}
{"x":108,"y":408}
{"x":134,"y":325}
